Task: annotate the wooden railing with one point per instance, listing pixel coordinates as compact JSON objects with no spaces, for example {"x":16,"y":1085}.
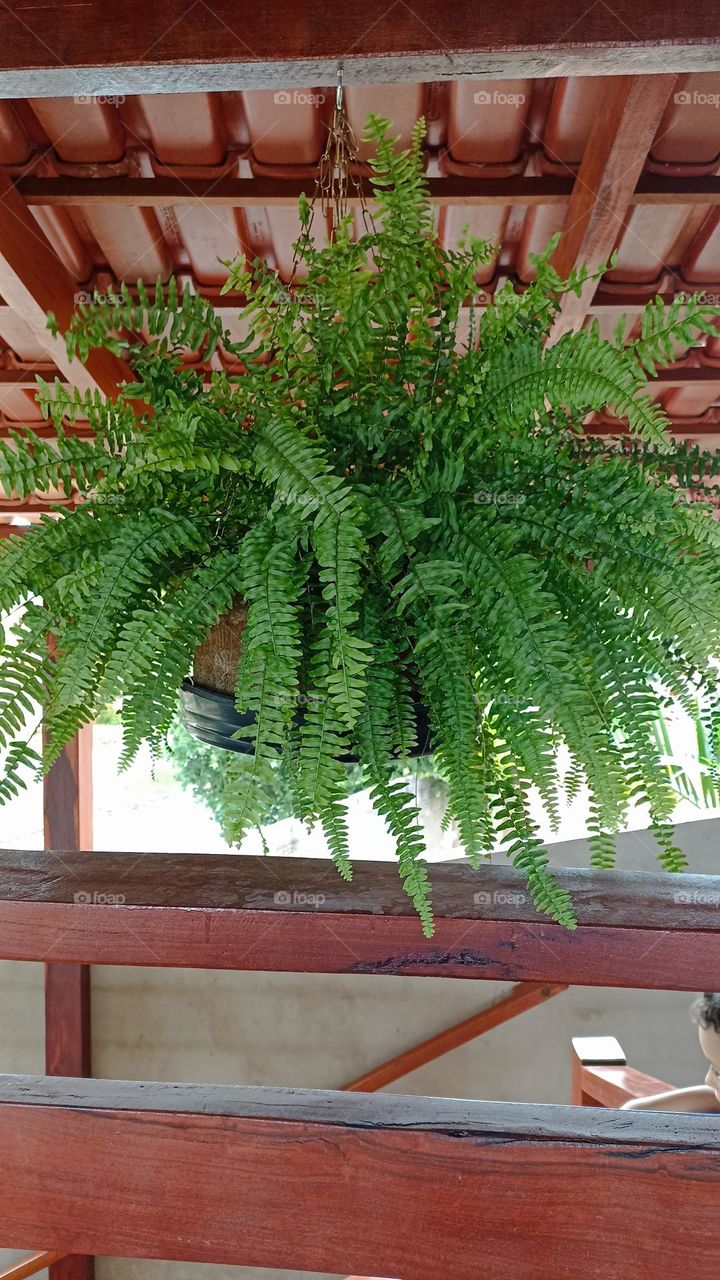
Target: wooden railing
{"x":602,"y":1078}
{"x":290,"y":915}
{"x":398,"y":1186}
{"x":385,"y":1185}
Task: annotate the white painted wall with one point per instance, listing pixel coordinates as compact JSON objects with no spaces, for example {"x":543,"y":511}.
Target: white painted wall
{"x":320,"y":1031}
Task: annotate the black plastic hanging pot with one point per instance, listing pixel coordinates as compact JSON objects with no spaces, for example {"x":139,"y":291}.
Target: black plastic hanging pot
{"x":213,"y":718}
{"x":207,"y":703}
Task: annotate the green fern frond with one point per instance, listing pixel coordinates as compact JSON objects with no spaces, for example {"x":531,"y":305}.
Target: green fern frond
{"x":401,"y":489}
{"x":376,"y":733}
{"x":267,"y":682}
{"x":184,"y":318}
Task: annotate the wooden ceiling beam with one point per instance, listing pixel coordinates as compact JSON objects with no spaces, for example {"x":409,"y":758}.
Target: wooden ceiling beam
{"x":270,"y":193}
{"x":24,"y":380}
{"x":34,"y":281}
{"x":32,"y":505}
{"x":609,"y":172}
{"x":53,"y":50}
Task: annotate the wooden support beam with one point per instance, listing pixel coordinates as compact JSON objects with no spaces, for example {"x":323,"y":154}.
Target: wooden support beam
{"x":51,"y":50}
{"x":524,"y":996}
{"x":34,"y":281}
{"x":382,"y":1185}
{"x":294,"y":915}
{"x":271,"y":193}
{"x":611,"y":165}
{"x":693,"y":375}
{"x":602,"y":1078}
{"x":31,"y":1266}
{"x":67,"y":795}
{"x":242,"y":193}
{"x":32,"y":506}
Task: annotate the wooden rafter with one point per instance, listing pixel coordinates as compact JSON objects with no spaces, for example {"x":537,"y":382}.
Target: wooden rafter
{"x":53,"y":50}
{"x":382,"y":1185}
{"x":24,"y":379}
{"x":295,"y":915}
{"x":602,"y":194}
{"x":678,"y":376}
{"x":34,"y":281}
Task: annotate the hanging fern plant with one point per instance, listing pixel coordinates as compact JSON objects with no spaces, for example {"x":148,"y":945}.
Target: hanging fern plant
{"x":404,"y":514}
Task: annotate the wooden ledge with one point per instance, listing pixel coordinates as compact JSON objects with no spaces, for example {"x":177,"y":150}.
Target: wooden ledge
{"x":335,"y":1182}
{"x":296,"y":915}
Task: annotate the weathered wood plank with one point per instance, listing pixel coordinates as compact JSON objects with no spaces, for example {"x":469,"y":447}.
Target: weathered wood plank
{"x":54,"y":50}
{"x":295,"y":915}
{"x":288,"y":886}
{"x":382,"y":1185}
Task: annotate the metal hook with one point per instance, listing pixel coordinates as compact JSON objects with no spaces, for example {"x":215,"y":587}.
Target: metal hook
{"x":339,"y":90}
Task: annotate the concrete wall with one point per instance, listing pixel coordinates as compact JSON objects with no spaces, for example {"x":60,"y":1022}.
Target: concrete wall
{"x":320,"y":1031}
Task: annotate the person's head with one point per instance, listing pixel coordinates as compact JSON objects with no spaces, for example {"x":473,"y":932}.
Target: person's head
{"x":706,"y":1011}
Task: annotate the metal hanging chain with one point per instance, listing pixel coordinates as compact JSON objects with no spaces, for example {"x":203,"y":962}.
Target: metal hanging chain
{"x":339,"y":166}
{"x":337,"y":179}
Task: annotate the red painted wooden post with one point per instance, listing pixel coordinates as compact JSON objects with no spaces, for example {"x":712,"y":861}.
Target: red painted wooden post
{"x":68,"y":826}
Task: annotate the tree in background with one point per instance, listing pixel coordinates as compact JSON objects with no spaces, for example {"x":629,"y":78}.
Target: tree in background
{"x":203,"y":770}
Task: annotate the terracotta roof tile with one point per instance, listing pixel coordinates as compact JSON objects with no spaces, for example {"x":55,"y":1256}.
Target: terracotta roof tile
{"x":476,"y":129}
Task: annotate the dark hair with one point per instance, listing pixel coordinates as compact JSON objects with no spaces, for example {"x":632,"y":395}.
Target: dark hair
{"x":706,"y":1010}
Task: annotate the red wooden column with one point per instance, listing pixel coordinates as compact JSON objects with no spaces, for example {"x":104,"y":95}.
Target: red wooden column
{"x":68,"y":826}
